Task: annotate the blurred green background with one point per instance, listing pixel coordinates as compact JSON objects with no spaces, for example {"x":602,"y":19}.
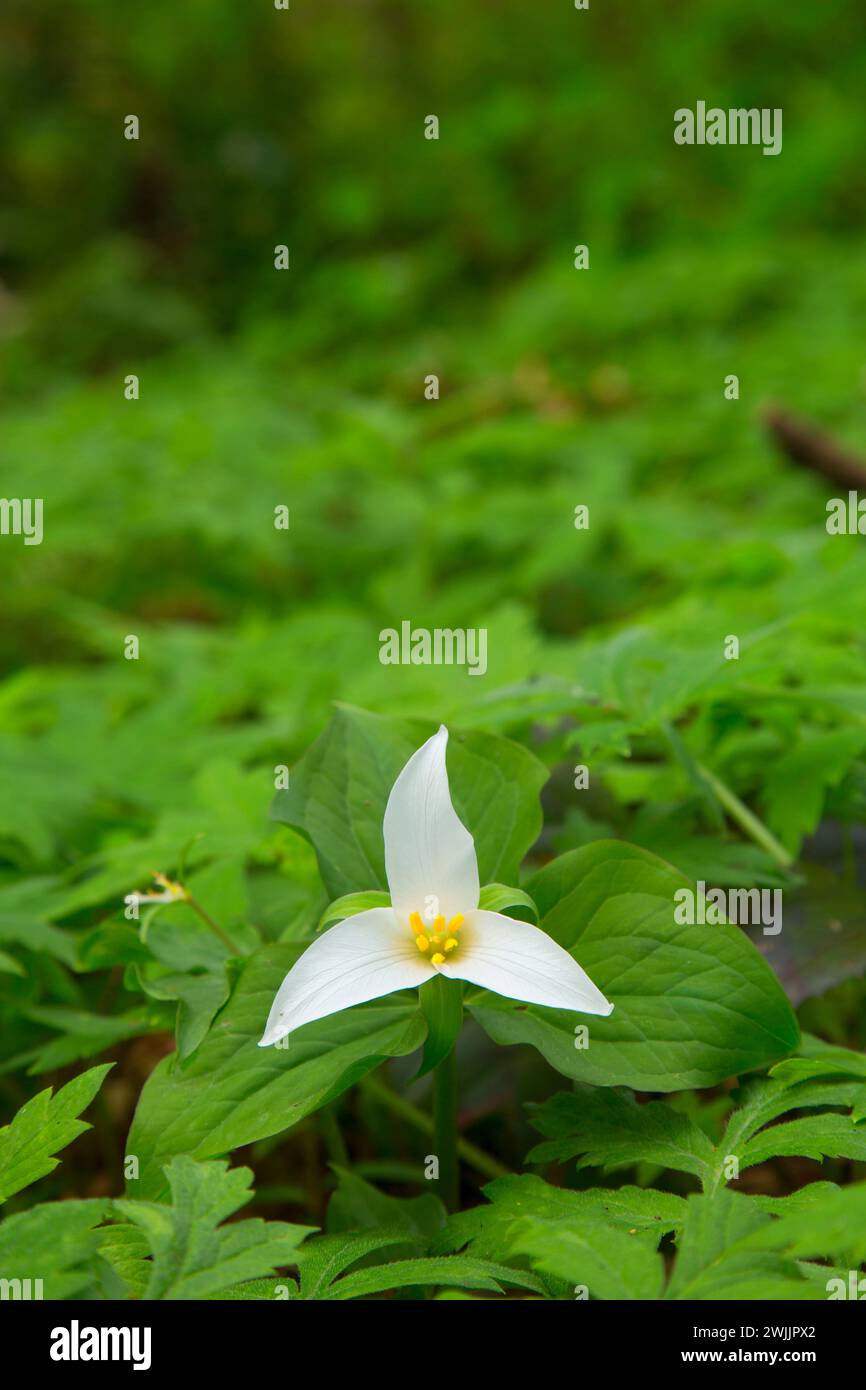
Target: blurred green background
{"x":306,"y":388}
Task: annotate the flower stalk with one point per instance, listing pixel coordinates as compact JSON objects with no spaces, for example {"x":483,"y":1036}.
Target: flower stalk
{"x":445,"y":1129}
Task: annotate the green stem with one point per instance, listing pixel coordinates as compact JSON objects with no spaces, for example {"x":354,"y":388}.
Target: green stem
{"x":445,"y":1129}
{"x":206,"y":917}
{"x":754,"y":828}
{"x":473,"y":1156}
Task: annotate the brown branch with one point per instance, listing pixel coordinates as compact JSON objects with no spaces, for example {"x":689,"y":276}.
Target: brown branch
{"x":812,"y":447}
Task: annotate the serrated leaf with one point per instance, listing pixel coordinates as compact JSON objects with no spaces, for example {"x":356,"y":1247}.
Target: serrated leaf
{"x":712,"y":1265}
{"x":606,"y":1260}
{"x":194,"y":1256}
{"x":609,"y":1130}
{"x":56,"y":1242}
{"x":41,"y":1127}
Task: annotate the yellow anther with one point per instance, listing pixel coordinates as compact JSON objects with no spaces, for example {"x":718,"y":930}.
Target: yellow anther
{"x":422,"y":943}
{"x":451,"y":943}
{"x":416,"y":924}
{"x":439,"y":923}
{"x":438,"y":959}
{"x":456,"y":922}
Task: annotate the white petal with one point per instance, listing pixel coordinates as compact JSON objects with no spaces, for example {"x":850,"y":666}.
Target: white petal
{"x":521,"y":962}
{"x":362,"y":958}
{"x":429,"y":854}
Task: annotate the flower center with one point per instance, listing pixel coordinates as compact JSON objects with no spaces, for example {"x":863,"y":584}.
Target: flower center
{"x":440,"y":938}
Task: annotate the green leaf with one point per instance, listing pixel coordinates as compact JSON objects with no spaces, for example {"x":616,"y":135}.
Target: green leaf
{"x":194,"y":1256}
{"x":609,"y":1262}
{"x":321,"y":1261}
{"x":711,"y":1263}
{"x":126,"y":1249}
{"x":339,"y":790}
{"x":486,"y":1230}
{"x":693,"y":1004}
{"x":41,"y":1127}
{"x":797,"y":781}
{"x":232,"y":1092}
{"x":55,"y":1242}
{"x":350,"y":905}
{"x":442,"y":1006}
{"x":357,"y":1204}
{"x":455,"y":1271}
{"x":812,"y":1136}
{"x":831,"y":1225}
{"x":199,"y":998}
{"x":496,"y":897}
{"x":607,"y":1129}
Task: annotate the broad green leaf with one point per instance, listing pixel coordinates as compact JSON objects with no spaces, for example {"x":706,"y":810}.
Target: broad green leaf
{"x":41,"y":1127}
{"x":693,"y":1004}
{"x":340,"y":787}
{"x":232,"y":1092}
{"x":194,"y":1256}
{"x":607,"y":1129}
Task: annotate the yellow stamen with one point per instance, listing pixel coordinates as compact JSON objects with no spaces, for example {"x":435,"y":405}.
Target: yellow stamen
{"x":416,"y":924}
{"x":456,"y":922}
{"x":451,"y":943}
{"x":439,"y":923}
{"x":438,"y":959}
{"x":422,"y":943}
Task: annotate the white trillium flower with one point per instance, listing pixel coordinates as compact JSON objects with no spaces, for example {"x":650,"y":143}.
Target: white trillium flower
{"x":434,"y":925}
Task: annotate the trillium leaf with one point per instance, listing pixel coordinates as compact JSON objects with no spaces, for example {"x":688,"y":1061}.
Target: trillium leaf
{"x":692,"y":1004}
{"x":232,"y":1092}
{"x":41,"y":1127}
{"x":339,"y":790}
